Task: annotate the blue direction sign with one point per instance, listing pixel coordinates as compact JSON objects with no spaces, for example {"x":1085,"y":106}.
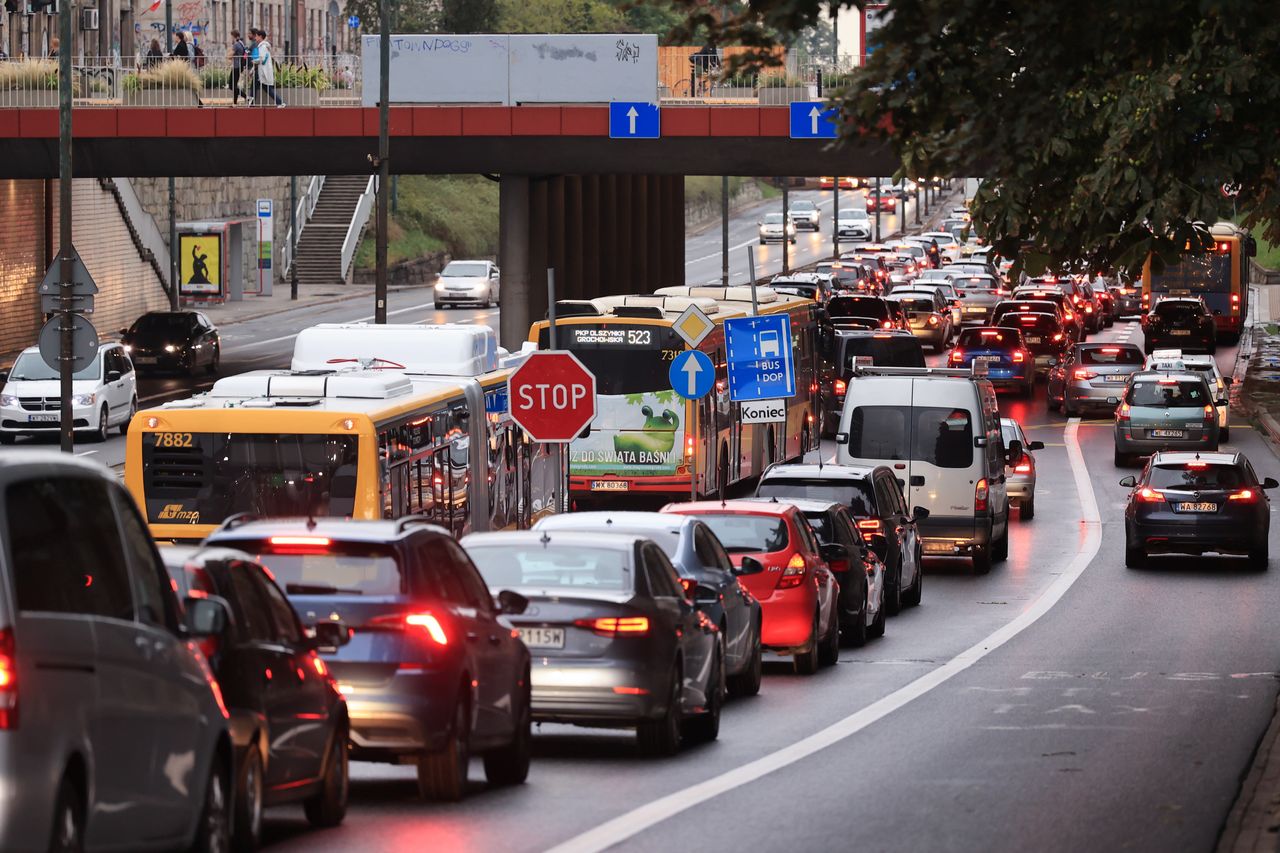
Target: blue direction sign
{"x":813,"y":120}
{"x":692,"y":374}
{"x":760,"y":365}
{"x":634,"y":120}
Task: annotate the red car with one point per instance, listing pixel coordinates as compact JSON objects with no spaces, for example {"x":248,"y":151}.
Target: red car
{"x":888,"y":203}
{"x":797,"y":591}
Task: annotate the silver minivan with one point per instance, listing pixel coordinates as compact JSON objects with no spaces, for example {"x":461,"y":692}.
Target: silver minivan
{"x":113,"y":734}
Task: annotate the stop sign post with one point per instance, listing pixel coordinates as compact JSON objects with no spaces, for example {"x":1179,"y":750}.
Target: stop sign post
{"x":552,"y":396}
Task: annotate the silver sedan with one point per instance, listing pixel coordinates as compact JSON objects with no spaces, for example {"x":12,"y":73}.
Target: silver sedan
{"x":1020,"y":471}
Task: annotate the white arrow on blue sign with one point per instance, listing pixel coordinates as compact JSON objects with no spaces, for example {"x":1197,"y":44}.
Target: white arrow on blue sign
{"x":634,"y":120}
{"x":760,"y":365}
{"x":692,"y":374}
{"x":813,"y":120}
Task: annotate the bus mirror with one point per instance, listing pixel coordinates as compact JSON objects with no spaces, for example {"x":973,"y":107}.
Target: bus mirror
{"x":1250,"y":247}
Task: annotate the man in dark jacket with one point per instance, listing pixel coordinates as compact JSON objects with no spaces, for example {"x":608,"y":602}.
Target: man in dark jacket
{"x":239,"y":61}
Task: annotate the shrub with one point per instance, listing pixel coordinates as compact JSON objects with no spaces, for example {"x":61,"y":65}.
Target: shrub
{"x":29,"y":74}
{"x":174,"y":75}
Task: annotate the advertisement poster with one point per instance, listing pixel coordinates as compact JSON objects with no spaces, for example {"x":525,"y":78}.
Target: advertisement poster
{"x":633,"y":435}
{"x":200,"y":265}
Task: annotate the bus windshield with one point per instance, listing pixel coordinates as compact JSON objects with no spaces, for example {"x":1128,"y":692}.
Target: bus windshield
{"x":1195,"y":274}
{"x":625,"y":359}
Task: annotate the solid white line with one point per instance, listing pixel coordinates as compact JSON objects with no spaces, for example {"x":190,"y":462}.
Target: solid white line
{"x":357,"y":320}
{"x":717,"y":254}
{"x":636,"y":821}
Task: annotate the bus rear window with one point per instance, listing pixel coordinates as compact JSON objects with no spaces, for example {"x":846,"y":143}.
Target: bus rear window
{"x":935,"y":435}
{"x":626,"y":359}
{"x":1197,"y":274}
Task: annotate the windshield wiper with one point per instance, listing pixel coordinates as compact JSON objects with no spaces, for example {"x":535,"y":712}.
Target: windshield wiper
{"x":318,"y":589}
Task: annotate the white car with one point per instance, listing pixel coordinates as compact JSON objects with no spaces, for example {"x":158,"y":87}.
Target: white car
{"x":948,"y":245}
{"x":104,"y":395}
{"x":473,"y":282}
{"x":772,"y":229}
{"x":1207,"y":366}
{"x":854,"y":223}
{"x":805,"y":214}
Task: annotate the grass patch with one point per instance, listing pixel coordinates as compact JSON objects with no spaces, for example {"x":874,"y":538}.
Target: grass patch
{"x":457,"y":213}
{"x":1268,"y":253}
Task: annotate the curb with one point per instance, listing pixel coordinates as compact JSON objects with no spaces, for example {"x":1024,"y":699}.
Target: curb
{"x":1254,"y":820}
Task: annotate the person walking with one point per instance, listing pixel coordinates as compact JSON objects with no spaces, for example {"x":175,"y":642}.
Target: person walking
{"x":53,"y":47}
{"x":239,"y":57}
{"x":266,"y":67}
{"x":252,"y":66}
{"x":154,"y":54}
{"x":181,"y":50}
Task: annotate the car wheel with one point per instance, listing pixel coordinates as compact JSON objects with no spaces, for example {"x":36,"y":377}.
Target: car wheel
{"x":747,"y":682}
{"x":509,"y":765}
{"x":1000,"y":548}
{"x":213,"y":832}
{"x":806,"y":662}
{"x":661,"y":737}
{"x":1028,"y":508}
{"x":1052,"y":404}
{"x":893,"y":590}
{"x":912,"y":597}
{"x":1258,"y":556}
{"x":829,"y":650}
{"x":212,"y":367}
{"x":442,"y":775}
{"x":1224,"y":434}
{"x":104,"y":428}
{"x":877,"y":626}
{"x":68,"y":819}
{"x":7,"y":438}
{"x":854,"y":632}
{"x":982,"y":561}
{"x":705,"y":727}
{"x":329,"y":806}
{"x":1134,"y":557}
{"x":247,"y":824}
{"x":1069,"y":410}
{"x":133,"y":410}
{"x":1121,"y":460}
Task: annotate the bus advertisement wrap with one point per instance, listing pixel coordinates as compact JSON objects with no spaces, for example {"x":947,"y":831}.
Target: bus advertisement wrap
{"x":633,"y":435}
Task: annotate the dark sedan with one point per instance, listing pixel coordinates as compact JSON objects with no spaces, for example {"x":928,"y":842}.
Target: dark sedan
{"x":700,"y":559}
{"x":1009,"y":362}
{"x":1193,"y":503}
{"x":173,"y":340}
{"x":1181,"y":323}
{"x":617,"y":642}
{"x":288,"y":720}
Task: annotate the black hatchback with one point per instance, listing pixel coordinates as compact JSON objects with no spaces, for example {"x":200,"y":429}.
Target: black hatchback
{"x":173,"y":340}
{"x":288,"y":721}
{"x":1193,"y":503}
{"x":1179,"y":322}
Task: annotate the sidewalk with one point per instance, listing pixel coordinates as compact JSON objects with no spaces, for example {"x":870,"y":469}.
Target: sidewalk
{"x":255,"y":307}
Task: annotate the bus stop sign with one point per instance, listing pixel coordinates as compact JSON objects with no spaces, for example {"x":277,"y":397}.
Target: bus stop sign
{"x":552,"y":396}
{"x":760,"y":362}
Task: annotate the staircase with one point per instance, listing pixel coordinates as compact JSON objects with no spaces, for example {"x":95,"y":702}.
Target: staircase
{"x":320,"y":256}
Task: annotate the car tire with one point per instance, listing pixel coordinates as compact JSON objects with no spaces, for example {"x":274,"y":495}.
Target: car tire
{"x":853,"y":633}
{"x":893,"y":591}
{"x":661,"y":737}
{"x":913,"y":596}
{"x":442,"y":775}
{"x":1000,"y":548}
{"x":1069,"y":411}
{"x":212,"y":367}
{"x":806,"y":662}
{"x":1134,"y":557}
{"x":1258,"y":556}
{"x":1121,"y":460}
{"x":1028,"y":508}
{"x":246,"y":825}
{"x":829,"y":650}
{"x":747,"y":682}
{"x":104,"y":426}
{"x":705,"y":727}
{"x":133,"y":410}
{"x":982,"y":561}
{"x":1224,"y":434}
{"x":8,"y":438}
{"x":509,"y":765}
{"x":67,"y":835}
{"x":213,"y":832}
{"x":1051,"y":404}
{"x":329,"y":806}
{"x":876,"y":629}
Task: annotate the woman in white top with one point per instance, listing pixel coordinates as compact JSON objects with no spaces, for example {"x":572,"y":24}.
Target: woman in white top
{"x":264,"y":66}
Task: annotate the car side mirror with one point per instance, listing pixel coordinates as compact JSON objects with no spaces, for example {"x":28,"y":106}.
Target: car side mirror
{"x":1227,"y":380}
{"x":1269,"y":483}
{"x":512,"y":603}
{"x":1129,"y":482}
{"x":1113,"y":401}
{"x":833,"y":551}
{"x":919,"y":513}
{"x":703,"y":594}
{"x":113,"y":375}
{"x":842,"y":438}
{"x":1035,"y":445}
{"x":749,"y":566}
{"x":207,"y":617}
{"x":123,"y":332}
{"x":329,"y":635}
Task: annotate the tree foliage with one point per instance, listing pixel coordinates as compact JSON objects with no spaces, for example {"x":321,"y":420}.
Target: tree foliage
{"x":1101,"y":128}
{"x":468,"y":16}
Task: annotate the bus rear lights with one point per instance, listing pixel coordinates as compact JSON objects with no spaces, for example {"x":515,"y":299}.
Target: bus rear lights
{"x":689,"y":447}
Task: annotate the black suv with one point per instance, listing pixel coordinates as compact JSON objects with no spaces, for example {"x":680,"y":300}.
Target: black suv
{"x":874,"y":498}
{"x":433,"y":671}
{"x":885,"y":348}
{"x":1179,"y":322}
{"x":172,"y":340}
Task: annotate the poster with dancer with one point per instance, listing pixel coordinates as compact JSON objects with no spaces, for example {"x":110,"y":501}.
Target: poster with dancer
{"x":200,"y":265}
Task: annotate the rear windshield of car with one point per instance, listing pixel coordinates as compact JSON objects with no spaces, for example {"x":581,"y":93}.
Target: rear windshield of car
{"x":917,"y":303}
{"x":887,"y":351}
{"x":1178,"y":312}
{"x":740,"y":533}
{"x":936,"y":435}
{"x":990,"y":338}
{"x":857,"y":306}
{"x":1111,"y":355}
{"x":337,"y":568}
{"x":533,"y":565}
{"x":1196,"y":476}
{"x":1172,"y":394}
{"x":1019,"y":320}
{"x":855,"y":494}
{"x":979,"y":283}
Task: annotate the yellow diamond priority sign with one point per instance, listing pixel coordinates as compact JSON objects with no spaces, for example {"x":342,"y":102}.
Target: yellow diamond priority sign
{"x":693,"y":326}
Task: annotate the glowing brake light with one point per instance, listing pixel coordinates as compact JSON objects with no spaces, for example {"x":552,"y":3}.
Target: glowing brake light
{"x":887,"y":324}
{"x":1111,"y":350}
{"x":8,"y":681}
{"x":1210,"y":413}
{"x":933,"y":319}
{"x":1122,"y":413}
{"x":612,"y":626}
{"x":1083,"y":373}
{"x":839,"y":387}
{"x":1019,"y":356}
{"x":1224,"y":247}
{"x":431,"y":624}
{"x":1244,"y":495}
{"x":980,"y":495}
{"x":688,"y":584}
{"x":793,"y":574}
{"x":957,"y":355}
{"x":1023,"y":467}
{"x":1149,"y":495}
{"x":308,"y":541}
{"x":1058,"y":336}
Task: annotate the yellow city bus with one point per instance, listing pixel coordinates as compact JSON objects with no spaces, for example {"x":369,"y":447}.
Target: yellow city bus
{"x":1219,"y":275}
{"x":373,"y":440}
{"x":648,"y":441}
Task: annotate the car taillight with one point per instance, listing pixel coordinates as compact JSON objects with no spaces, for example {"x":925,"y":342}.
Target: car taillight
{"x":1088,"y":309}
{"x":980,"y":495}
{"x":1019,"y":356}
{"x":887,"y":324}
{"x":1058,"y":336}
{"x":957,"y":355}
{"x":689,"y":447}
{"x":300,"y":544}
{"x":1083,"y":373}
{"x":1023,"y":467}
{"x":8,"y":681}
{"x":839,"y":387}
{"x":1122,"y":413}
{"x":1148,"y":495}
{"x":688,"y":584}
{"x":613,"y":626}
{"x":793,"y":574}
{"x":1210,"y":413}
{"x":1244,"y":495}
{"x":1070,"y":316}
{"x":427,"y":622}
{"x":933,"y":319}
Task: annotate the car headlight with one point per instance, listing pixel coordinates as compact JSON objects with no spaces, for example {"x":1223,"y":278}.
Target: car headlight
{"x":170,"y":348}
{"x":8,"y":400}
{"x":128,"y":347}
{"x":83,"y":399}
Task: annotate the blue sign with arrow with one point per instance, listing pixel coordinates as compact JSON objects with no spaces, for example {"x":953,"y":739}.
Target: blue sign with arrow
{"x":813,"y":120}
{"x":692,"y":374}
{"x":634,"y":120}
{"x":760,"y":364}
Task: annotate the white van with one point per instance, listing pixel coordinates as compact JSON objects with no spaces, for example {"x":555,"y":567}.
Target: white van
{"x":938,"y":430}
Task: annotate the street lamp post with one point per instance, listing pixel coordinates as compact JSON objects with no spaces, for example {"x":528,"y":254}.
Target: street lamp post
{"x":384,"y":154}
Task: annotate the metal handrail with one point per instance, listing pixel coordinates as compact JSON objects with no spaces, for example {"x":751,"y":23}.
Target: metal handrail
{"x":358,"y":220}
{"x":301,"y":214}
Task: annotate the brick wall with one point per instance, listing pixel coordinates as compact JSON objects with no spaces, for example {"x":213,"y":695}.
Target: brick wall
{"x":127,"y":285}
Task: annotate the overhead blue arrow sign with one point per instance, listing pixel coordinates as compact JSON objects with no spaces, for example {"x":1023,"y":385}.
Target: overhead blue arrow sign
{"x":692,"y":374}
{"x":634,"y":120}
{"x":813,"y":120}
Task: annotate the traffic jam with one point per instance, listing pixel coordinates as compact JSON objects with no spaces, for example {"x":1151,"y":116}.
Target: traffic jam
{"x":413,"y":547}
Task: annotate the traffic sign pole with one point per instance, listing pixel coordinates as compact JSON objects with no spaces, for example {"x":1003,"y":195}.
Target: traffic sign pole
{"x":751,"y":271}
{"x":66,"y":431}
{"x":557,"y":452}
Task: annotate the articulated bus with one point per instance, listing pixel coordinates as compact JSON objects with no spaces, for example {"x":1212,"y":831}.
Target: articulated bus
{"x":369,"y":422}
{"x":649,"y":442}
{"x":1219,"y":276}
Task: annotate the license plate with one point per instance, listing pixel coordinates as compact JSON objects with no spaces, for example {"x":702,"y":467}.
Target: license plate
{"x":1118,"y":377}
{"x":1197,"y":507}
{"x":145,"y":359}
{"x":1180,"y":332}
{"x":1166,"y":433}
{"x":938,"y":547}
{"x":542,"y":638}
{"x":610,"y":485}
{"x":975,"y":310}
{"x":42,"y":419}
{"x":987,"y":359}
{"x":1031,"y":340}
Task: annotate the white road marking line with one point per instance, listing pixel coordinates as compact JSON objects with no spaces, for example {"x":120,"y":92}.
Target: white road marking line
{"x":651,"y":814}
{"x":357,"y":320}
{"x":750,"y":242}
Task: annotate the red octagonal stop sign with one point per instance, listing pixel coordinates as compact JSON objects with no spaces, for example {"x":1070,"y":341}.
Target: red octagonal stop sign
{"x":553,"y":396}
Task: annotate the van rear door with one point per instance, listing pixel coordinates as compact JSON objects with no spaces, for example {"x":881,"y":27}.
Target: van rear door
{"x":943,"y":423}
